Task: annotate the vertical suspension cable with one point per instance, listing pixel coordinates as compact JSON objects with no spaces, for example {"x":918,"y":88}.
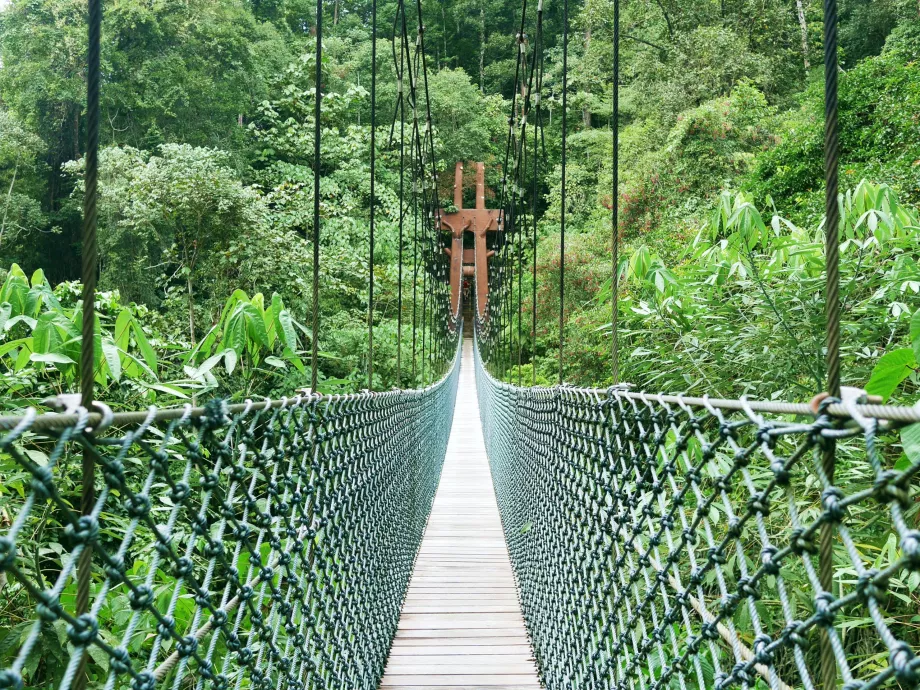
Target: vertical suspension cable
{"x":90,"y":267}
{"x":370,"y":259}
{"x":316,"y":164}
{"x":536,"y":80}
{"x":563,"y":198}
{"x":402,"y":210}
{"x":832,"y":305}
{"x":414,"y":270}
{"x":615,"y":201}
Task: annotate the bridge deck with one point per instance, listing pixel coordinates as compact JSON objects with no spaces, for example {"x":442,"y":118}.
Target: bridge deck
{"x":461,"y":624}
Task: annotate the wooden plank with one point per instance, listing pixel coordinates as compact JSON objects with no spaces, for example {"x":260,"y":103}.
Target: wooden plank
{"x":484,"y":680}
{"x":461,"y":626}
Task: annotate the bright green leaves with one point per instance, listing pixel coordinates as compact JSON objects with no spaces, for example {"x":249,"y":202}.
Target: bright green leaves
{"x":248,"y":334}
{"x":897,"y":365}
{"x":915,"y":334}
{"x":891,"y":370}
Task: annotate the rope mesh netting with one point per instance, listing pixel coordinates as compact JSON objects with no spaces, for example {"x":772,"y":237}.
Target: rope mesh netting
{"x":662,"y":544}
{"x":264,"y":547}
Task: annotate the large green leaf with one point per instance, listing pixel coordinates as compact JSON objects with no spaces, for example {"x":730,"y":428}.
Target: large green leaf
{"x":9,"y":347}
{"x":892,"y":368}
{"x":286,"y":329}
{"x":112,"y":358}
{"x":910,"y":440}
{"x":20,"y":318}
{"x":235,"y":332}
{"x":289,"y":355}
{"x":5,"y":310}
{"x":205,"y":368}
{"x":51,"y":358}
{"x":230,"y":358}
{"x":147,"y":352}
{"x":123,"y":329}
{"x":915,"y":334}
{"x":255,"y":325}
{"x":46,"y":337}
{"x":231,"y":303}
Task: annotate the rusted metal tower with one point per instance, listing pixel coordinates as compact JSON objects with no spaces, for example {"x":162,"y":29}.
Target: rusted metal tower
{"x":479,"y":222}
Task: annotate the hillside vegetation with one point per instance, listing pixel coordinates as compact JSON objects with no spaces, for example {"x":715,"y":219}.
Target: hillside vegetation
{"x":206,"y":191}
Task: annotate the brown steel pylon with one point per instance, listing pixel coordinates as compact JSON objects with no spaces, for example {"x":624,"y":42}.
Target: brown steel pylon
{"x":478,"y":221}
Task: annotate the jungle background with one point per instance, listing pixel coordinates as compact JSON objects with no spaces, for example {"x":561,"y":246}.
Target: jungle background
{"x":206,"y":192}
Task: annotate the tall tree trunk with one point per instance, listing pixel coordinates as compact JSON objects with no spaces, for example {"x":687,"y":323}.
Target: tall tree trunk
{"x":191,"y":294}
{"x":482,"y":49}
{"x":9,"y":201}
{"x":800,"y":10}
{"x":191,"y":307}
{"x":586,"y":112}
{"x":335,"y":14}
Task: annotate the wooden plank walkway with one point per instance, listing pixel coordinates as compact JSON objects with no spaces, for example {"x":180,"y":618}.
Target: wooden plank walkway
{"x":461,"y":626}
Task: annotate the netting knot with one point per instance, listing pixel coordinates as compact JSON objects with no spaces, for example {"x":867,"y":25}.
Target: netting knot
{"x":42,"y":482}
{"x":137,"y":505}
{"x":7,"y":554}
{"x":765,"y":435}
{"x":214,"y":416}
{"x":871,"y":585}
{"x":888,"y":488}
{"x":780,"y":471}
{"x":120,"y":660}
{"x":49,"y":609}
{"x":115,"y":568}
{"x":145,"y":680}
{"x":906,"y":665}
{"x":140,"y":597}
{"x":84,"y":531}
{"x":767,"y":558}
{"x":741,"y":672}
{"x":84,"y":630}
{"x":824,"y":610}
{"x":747,"y":588}
{"x":794,"y":632}
{"x":166,"y":627}
{"x":762,"y":655}
{"x":831,"y":499}
{"x":759,"y":503}
{"x":802,"y":542}
{"x":209,"y":481}
{"x":910,"y":547}
{"x":183,"y":567}
{"x":159,"y":462}
{"x":213,"y":549}
{"x":187,"y":646}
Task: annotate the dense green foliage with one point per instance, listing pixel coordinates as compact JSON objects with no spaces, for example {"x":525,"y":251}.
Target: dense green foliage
{"x":207,"y":182}
{"x":207,"y":194}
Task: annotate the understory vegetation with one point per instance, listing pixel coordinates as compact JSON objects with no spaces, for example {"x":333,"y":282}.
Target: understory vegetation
{"x":206,"y":198}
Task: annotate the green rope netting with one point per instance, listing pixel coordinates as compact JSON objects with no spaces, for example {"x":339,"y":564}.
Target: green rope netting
{"x":270,"y":548}
{"x":659,"y":544}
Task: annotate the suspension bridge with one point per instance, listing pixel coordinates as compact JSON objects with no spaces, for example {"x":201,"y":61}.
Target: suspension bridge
{"x":473,"y":532}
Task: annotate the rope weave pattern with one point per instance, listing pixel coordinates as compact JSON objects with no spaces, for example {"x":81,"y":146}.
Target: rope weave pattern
{"x":266,"y":549}
{"x":663,"y":545}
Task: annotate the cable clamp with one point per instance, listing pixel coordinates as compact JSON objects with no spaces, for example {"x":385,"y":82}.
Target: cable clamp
{"x":71,"y":403}
{"x":849,"y":397}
